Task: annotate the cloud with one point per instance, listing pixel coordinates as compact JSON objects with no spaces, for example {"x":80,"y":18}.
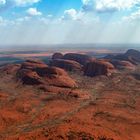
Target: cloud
{"x":33,"y":12}
{"x":25,"y":2}
{"x":70,"y":14}
{"x":78,"y":26}
{"x":135,"y":16}
{"x":109,"y":5}
{"x":5,"y":22}
{"x":73,"y":15}
{"x":7,"y":4}
{"x":2,"y":2}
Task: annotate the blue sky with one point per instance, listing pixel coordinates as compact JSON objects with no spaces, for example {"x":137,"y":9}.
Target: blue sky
{"x":69,"y":21}
{"x":47,"y":7}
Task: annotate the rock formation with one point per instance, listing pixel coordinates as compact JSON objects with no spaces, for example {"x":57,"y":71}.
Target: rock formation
{"x":80,"y":58}
{"x":68,"y":65}
{"x":57,"y":56}
{"x":9,"y":69}
{"x":36,"y":73}
{"x":131,"y":55}
{"x":122,"y":64}
{"x":98,"y":67}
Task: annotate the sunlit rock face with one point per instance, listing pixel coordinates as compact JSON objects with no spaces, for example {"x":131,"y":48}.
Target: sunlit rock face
{"x":98,"y":67}
{"x":36,"y":73}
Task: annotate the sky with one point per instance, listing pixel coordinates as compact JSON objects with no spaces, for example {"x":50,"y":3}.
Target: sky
{"x":41,"y":22}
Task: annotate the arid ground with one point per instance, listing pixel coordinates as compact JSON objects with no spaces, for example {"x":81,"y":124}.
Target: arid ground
{"x":108,"y":108}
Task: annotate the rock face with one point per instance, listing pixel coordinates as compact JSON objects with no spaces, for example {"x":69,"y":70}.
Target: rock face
{"x":33,"y":64}
{"x":97,"y":67}
{"x":36,"y":73}
{"x":131,"y":55}
{"x":68,"y":65}
{"x":80,"y":58}
{"x":57,"y":56}
{"x":29,"y":77}
{"x":10,"y":69}
{"x":122,"y":64}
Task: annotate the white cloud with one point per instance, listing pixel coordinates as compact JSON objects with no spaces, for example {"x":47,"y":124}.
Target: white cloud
{"x":86,"y":26}
{"x":109,"y":5}
{"x":46,"y":31}
{"x":33,"y":12}
{"x":133,"y":17}
{"x":70,"y":14}
{"x":2,"y":2}
{"x":25,"y":2}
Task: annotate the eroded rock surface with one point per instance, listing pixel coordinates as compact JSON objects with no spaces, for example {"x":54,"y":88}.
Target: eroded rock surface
{"x":97,"y":67}
{"x":68,"y":65}
{"x":36,"y":72}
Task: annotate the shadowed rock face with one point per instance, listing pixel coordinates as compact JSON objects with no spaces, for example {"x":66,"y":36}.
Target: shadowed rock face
{"x":29,"y":77}
{"x":80,"y":58}
{"x":96,"y":67}
{"x":68,"y":65}
{"x":122,"y":64}
{"x":57,"y":56}
{"x":36,"y":73}
{"x":10,"y":69}
{"x":131,"y":55}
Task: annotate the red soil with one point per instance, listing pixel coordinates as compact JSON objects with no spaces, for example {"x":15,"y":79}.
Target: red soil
{"x":99,"y":108}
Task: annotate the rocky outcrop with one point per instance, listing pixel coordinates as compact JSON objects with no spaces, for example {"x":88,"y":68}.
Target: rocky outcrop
{"x":76,"y":93}
{"x":131,"y":55}
{"x":33,"y":64}
{"x":68,"y":65}
{"x":80,"y":58}
{"x":9,"y":69}
{"x":29,"y":77}
{"x":57,"y":56}
{"x":123,"y":64}
{"x":36,"y":73}
{"x":98,"y":67}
